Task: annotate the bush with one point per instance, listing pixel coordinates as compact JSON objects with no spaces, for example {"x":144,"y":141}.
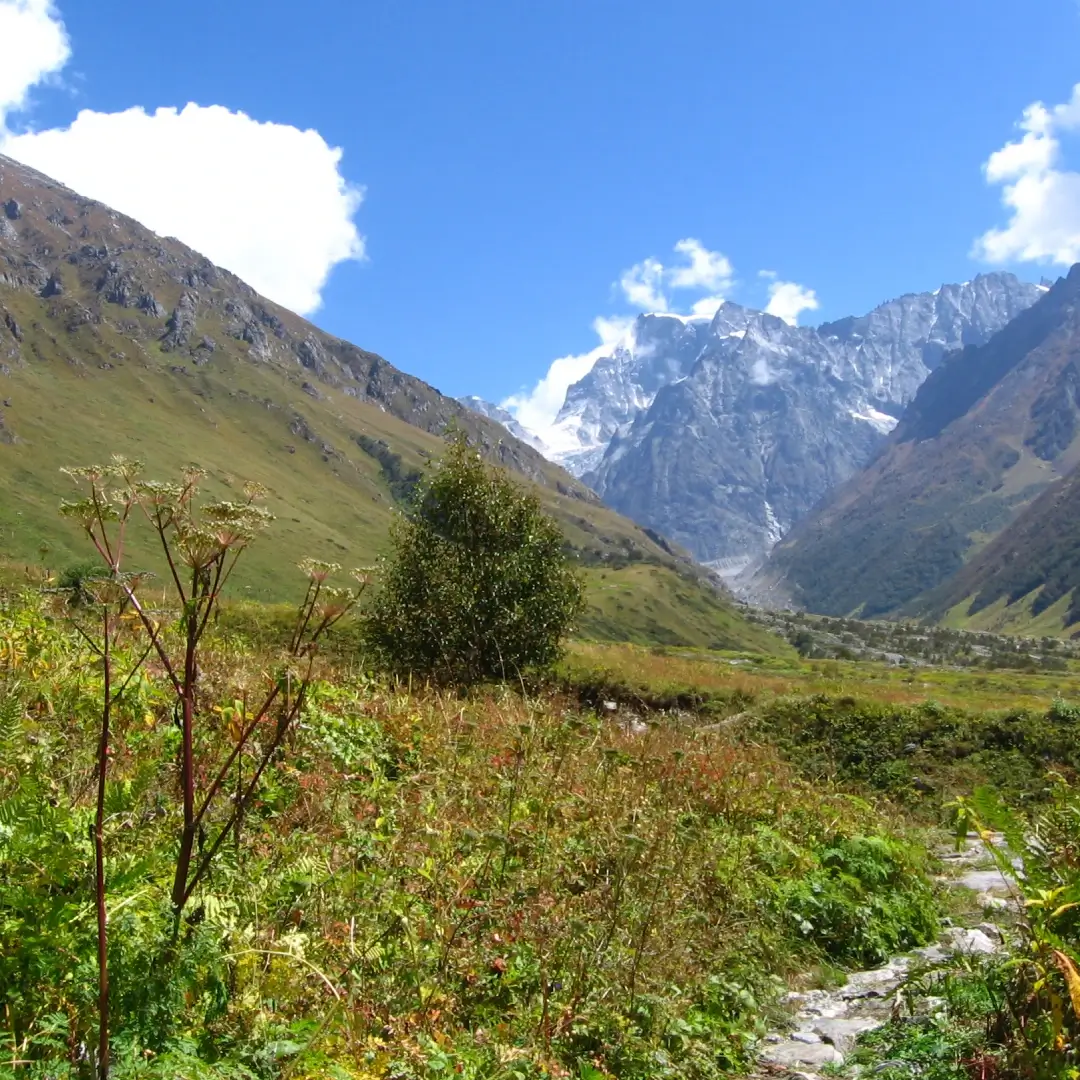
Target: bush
{"x":477,"y":586}
{"x":76,"y":582}
{"x":923,"y":754}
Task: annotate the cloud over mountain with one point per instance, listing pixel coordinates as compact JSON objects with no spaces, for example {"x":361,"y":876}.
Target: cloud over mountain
{"x":537,"y":408}
{"x":35,"y":46}
{"x":267,"y":201}
{"x":788,"y":300}
{"x":651,"y":286}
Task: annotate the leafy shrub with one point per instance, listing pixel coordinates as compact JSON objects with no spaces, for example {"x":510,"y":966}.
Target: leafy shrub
{"x":478,"y":586}
{"x":927,"y":752}
{"x":861,"y":903}
{"x":75,"y":582}
{"x":399,"y":479}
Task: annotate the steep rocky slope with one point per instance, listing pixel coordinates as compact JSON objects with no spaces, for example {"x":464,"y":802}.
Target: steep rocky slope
{"x":989,"y":430}
{"x":724,"y":435}
{"x":660,"y":349}
{"x":114,"y":340}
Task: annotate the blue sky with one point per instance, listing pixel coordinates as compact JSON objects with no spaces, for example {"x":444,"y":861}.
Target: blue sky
{"x":505,"y":163}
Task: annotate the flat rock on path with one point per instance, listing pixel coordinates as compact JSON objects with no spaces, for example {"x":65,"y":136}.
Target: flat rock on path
{"x":843,"y":1031}
{"x":991,"y":882}
{"x":794,"y":1053}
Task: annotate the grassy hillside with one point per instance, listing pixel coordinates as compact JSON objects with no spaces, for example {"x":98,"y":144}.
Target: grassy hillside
{"x":1016,"y":618}
{"x":331,"y":466}
{"x":649,"y":604}
{"x":116,"y":341}
{"x":1025,"y":580}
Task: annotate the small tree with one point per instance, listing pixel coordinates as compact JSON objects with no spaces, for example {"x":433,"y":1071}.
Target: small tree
{"x":477,"y":585}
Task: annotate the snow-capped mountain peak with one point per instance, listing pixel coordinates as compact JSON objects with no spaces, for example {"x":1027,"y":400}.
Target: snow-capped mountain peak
{"x":722,"y":433}
{"x":764,"y":424}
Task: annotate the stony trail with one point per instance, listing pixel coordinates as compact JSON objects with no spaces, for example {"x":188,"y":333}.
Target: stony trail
{"x":827,"y":1022}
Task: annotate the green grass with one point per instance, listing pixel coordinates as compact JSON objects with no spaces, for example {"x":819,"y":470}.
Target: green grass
{"x":919,"y":738}
{"x":491,"y":862}
{"x":1016,"y":618}
{"x":946,"y":1046}
{"x":657,"y":676}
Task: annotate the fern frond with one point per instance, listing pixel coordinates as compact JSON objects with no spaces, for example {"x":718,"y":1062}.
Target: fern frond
{"x":11,"y":729}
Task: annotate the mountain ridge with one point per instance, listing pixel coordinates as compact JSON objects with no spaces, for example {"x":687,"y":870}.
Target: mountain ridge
{"x":271,"y":333}
{"x":945,"y":484}
{"x":724,"y":434}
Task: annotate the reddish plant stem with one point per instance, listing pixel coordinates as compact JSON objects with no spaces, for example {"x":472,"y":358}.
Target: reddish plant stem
{"x":99,"y":861}
{"x":245,"y":734}
{"x":283,"y":727}
{"x":187,"y":762}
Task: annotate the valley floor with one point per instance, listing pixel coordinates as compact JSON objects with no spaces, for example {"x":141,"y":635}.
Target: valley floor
{"x":624,"y":870}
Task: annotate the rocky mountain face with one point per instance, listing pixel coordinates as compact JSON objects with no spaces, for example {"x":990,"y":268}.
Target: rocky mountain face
{"x":659,"y":350}
{"x":501,"y":416}
{"x":988,"y":430}
{"x":728,"y":455}
{"x":115,"y":340}
{"x":724,"y":434}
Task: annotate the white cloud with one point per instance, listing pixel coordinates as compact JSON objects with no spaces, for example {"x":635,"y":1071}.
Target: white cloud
{"x":1042,"y":196}
{"x":649,"y":284}
{"x":264,"y":200}
{"x":706,"y":307}
{"x":611,"y":329}
{"x":267,"y":201}
{"x":787,"y":300}
{"x":35,"y":46}
{"x":643,"y":285}
{"x":761,"y":374}
{"x":707,"y":269}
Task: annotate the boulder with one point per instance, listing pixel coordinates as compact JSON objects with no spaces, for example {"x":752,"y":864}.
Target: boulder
{"x":791,"y":1053}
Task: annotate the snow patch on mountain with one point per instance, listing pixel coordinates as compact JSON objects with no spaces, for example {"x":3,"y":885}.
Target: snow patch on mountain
{"x":883,"y":422}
